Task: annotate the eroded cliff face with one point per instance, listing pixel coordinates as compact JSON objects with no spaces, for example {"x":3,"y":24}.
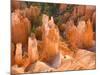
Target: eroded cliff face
{"x":21,"y":27}
{"x":53,"y":47}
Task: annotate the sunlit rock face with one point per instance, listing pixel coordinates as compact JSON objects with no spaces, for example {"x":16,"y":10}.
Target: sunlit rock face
{"x":18,"y":54}
{"x":20,"y":28}
{"x":72,"y":35}
{"x":88,"y":35}
{"x":33,"y":54}
{"x":80,"y":36}
{"x":22,"y":58}
{"x":50,"y":40}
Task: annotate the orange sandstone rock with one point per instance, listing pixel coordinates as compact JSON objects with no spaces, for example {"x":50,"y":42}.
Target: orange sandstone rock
{"x":50,"y":40}
{"x":18,"y":54}
{"x":20,"y":28}
{"x":32,"y":49}
{"x":88,"y":35}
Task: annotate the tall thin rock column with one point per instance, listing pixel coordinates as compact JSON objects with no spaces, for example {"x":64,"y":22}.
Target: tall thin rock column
{"x":72,"y":35}
{"x":88,"y":35}
{"x":50,"y":52}
{"x":81,"y":29}
{"x":18,"y":54}
{"x":32,"y":49}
